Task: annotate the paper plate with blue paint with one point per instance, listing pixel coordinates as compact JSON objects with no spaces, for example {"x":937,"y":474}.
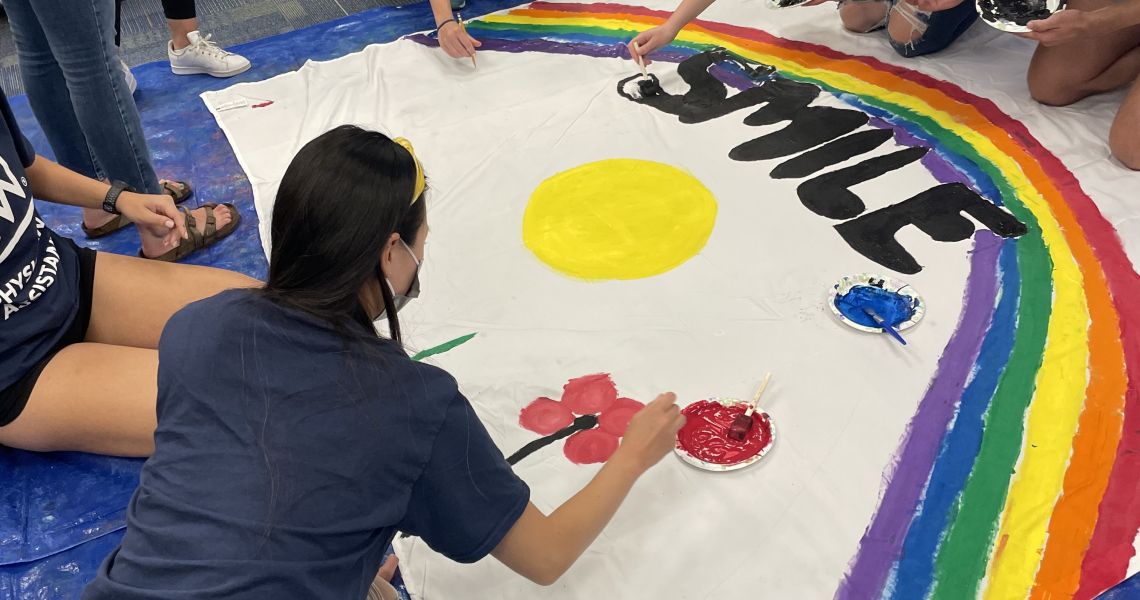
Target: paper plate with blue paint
{"x":897,"y":303}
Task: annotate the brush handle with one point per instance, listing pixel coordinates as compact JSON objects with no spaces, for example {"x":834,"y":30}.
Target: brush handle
{"x":640,"y":60}
{"x":894,"y":334}
{"x":759,"y":392}
{"x":882,"y":323}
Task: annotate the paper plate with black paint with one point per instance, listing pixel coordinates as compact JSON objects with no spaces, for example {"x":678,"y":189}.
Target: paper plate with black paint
{"x":895,"y":301}
{"x":784,"y":3}
{"x":1013,"y":16}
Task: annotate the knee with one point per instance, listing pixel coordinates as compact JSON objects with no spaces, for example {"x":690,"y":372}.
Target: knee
{"x":1124,"y":147}
{"x":1052,"y":92}
{"x":905,"y":38}
{"x":863,"y":17}
{"x":1047,"y":87}
{"x":914,"y":33}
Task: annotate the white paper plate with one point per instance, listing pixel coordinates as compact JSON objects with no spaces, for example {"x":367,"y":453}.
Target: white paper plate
{"x":775,"y":4}
{"x":844,"y":285}
{"x":1010,"y":26}
{"x":716,"y":467}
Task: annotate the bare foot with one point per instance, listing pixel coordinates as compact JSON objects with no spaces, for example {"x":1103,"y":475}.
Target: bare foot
{"x":153,"y":245}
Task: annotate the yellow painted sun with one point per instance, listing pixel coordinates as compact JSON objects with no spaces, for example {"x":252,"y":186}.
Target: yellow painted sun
{"x":619,"y":218}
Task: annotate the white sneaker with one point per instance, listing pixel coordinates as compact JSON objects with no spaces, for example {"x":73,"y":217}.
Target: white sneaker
{"x":132,"y":84}
{"x":204,"y":56}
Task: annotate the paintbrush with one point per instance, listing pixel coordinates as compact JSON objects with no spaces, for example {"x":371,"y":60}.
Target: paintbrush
{"x":640,"y":59}
{"x":883,"y":324}
{"x":742,"y":424}
{"x":463,"y":26}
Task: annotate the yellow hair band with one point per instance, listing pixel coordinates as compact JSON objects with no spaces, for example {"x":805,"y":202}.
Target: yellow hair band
{"x":420,"y":183}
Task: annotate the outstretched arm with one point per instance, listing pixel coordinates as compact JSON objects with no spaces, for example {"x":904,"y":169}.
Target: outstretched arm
{"x":452,"y":35}
{"x":664,"y":34}
{"x":541,"y":547}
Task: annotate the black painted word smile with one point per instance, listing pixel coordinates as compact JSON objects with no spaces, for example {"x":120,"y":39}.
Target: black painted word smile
{"x":822,"y":136}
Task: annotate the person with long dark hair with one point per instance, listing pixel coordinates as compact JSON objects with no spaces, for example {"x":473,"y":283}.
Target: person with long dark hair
{"x":293,"y":441}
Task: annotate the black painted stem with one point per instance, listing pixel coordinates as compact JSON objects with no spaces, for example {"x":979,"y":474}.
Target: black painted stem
{"x":582,"y":423}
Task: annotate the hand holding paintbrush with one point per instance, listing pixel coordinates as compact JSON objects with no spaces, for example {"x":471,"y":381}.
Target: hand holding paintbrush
{"x":463,"y":26}
{"x":640,"y":59}
{"x":742,"y":424}
{"x":451,"y":32}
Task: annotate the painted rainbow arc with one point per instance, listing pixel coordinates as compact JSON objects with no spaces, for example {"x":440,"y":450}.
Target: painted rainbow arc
{"x":1018,"y":474}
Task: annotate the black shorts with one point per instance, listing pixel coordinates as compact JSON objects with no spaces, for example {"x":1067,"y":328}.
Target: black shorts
{"x":14,"y":398}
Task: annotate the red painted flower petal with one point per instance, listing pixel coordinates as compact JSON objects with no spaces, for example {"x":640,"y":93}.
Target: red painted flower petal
{"x":545,"y":416}
{"x":589,"y":395}
{"x":590,"y":446}
{"x":615,"y":419}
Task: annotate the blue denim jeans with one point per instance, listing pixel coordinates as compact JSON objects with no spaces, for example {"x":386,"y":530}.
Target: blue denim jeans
{"x":77,"y":90}
{"x":940,"y":28}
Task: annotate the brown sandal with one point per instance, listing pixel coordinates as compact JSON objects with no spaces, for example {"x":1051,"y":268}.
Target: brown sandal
{"x":199,"y":240}
{"x":94,"y":233}
{"x":179,"y":191}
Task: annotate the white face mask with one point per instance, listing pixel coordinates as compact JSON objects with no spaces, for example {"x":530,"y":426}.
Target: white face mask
{"x":402,"y":300}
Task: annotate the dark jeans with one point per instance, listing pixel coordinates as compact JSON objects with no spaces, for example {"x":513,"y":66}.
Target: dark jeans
{"x":77,"y":89}
{"x":942,"y":28}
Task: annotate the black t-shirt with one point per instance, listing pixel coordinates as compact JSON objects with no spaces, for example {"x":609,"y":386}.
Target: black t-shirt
{"x":39,"y":272}
{"x":285,"y":461}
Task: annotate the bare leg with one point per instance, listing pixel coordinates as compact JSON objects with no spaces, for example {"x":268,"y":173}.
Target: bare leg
{"x":1061,"y":75}
{"x":1124,"y":139}
{"x":135,"y":297}
{"x":92,"y":398}
{"x":100,"y":396}
{"x":178,"y":30}
{"x":901,"y":30}
{"x":1060,"y":79}
{"x":863,"y":17}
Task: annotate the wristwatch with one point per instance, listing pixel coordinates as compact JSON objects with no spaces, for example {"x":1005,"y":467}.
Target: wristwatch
{"x":112,"y":197}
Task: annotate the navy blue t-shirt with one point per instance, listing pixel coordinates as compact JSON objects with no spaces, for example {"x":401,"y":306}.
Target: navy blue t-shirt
{"x":39,"y":273}
{"x":285,"y":462}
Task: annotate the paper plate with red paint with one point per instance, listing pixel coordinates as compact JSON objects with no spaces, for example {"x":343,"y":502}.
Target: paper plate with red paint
{"x":704,"y":443}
